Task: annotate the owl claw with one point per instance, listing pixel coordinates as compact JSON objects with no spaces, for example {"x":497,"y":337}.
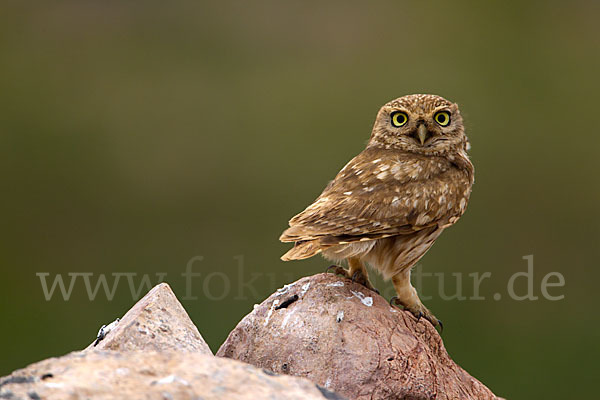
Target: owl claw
{"x":358,"y":277}
{"x":338,"y":270}
{"x":419,"y":313}
{"x":441,"y":325}
{"x":435,"y":322}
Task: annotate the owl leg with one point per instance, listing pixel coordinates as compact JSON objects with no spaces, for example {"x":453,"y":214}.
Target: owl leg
{"x":339,"y":270}
{"x":358,"y":273}
{"x":408,"y":297}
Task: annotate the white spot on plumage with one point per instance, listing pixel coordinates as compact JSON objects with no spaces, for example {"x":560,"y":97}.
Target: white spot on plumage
{"x":382,"y":175}
{"x":422,"y":219}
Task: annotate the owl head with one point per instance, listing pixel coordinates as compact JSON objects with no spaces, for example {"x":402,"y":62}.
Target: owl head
{"x":420,"y":123}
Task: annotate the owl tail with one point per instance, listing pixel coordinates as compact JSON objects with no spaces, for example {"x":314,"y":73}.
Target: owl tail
{"x":302,"y":250}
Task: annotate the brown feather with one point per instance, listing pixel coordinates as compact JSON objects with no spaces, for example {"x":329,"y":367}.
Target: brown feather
{"x":302,"y":250}
{"x":359,"y":203}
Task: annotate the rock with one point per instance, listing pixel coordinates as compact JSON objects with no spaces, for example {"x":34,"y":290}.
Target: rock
{"x":348,"y":339}
{"x":150,"y":375}
{"x":153,"y":352}
{"x":156,"y":322}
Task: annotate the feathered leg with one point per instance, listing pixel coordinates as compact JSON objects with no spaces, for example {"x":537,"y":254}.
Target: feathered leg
{"x":408,"y":297}
{"x":356,"y":271}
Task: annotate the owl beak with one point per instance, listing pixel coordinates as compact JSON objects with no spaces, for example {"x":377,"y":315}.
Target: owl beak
{"x":422,"y":133}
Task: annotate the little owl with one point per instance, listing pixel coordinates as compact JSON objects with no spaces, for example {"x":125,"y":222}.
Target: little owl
{"x":389,"y":204}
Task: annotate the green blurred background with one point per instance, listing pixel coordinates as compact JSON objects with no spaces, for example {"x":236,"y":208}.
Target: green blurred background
{"x":135,"y":136}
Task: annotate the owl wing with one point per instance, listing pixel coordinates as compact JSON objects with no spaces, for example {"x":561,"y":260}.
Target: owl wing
{"x":383,"y":193}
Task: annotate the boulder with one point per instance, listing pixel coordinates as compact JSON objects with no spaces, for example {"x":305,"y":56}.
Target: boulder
{"x":153,"y":352}
{"x":347,"y":338}
{"x":157,"y":322}
{"x":171,"y":375}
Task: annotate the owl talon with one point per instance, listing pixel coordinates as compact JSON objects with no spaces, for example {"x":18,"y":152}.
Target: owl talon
{"x":420,"y":311}
{"x":395,"y":301}
{"x":360,"y":278}
{"x":434,"y":321}
{"x":338,"y":271}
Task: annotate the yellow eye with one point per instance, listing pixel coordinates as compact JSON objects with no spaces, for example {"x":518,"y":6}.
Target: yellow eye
{"x":399,"y":118}
{"x":442,"y":118}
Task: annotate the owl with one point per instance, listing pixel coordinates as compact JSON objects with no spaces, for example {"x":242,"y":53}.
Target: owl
{"x":390,"y":203}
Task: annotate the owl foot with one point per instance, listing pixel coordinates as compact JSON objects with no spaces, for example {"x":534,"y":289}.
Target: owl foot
{"x":419,"y":310}
{"x":357,"y":277}
{"x":337,"y":270}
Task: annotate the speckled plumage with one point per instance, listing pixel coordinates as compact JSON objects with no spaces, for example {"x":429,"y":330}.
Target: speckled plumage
{"x":387,"y":206}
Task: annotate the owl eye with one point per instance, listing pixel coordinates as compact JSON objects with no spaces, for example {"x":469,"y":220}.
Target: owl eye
{"x":399,"y":118}
{"x":442,"y":118}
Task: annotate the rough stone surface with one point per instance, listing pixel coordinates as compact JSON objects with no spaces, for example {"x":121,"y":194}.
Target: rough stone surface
{"x":156,"y":322}
{"x":348,"y":339}
{"x":149,"y":375}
